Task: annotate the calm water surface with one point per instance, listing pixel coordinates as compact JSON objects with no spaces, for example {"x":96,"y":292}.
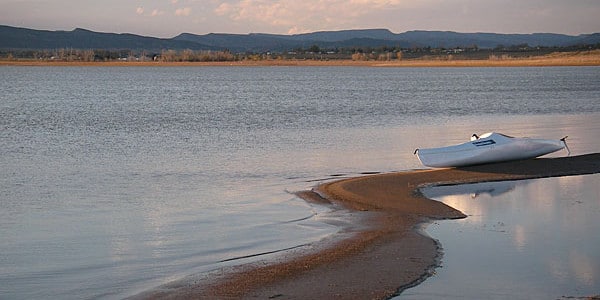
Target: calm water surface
{"x":532,"y":239}
{"x":116,"y":180}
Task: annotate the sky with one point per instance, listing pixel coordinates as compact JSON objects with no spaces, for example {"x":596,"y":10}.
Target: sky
{"x":168,"y":18}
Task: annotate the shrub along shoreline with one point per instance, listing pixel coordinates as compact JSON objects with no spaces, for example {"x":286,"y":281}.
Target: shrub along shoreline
{"x":579,"y":58}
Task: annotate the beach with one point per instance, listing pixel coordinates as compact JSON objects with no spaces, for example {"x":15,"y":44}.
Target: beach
{"x":385,"y":257}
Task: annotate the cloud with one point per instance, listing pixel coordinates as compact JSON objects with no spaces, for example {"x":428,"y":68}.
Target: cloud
{"x":183,"y":11}
{"x":156,"y":12}
{"x":511,"y":16}
{"x":302,"y":16}
{"x":376,"y":3}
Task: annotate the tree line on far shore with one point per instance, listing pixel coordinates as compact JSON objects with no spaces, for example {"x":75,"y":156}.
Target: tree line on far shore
{"x":383,"y":53}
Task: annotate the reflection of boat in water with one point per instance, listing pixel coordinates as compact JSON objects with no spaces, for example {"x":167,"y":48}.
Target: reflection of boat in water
{"x":493,"y":189}
{"x":489,"y":148}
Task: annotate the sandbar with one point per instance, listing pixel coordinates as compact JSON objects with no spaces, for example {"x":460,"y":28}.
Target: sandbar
{"x":378,"y":260}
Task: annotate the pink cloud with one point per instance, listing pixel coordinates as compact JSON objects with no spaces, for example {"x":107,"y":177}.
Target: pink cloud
{"x":183,"y":11}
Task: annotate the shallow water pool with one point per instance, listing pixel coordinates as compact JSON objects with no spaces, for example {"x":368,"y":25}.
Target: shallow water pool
{"x":531,"y":239}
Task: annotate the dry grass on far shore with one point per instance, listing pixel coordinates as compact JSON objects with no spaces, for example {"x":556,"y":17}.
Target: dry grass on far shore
{"x":580,"y":58}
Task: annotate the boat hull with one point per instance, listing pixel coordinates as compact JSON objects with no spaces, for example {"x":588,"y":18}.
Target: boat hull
{"x":490,"y":148}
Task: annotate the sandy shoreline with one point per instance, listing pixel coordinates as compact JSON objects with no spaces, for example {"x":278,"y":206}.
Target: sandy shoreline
{"x":589,"y":58}
{"x":374,"y":262}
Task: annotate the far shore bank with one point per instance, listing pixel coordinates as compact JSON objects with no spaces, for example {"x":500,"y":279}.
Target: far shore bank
{"x":386,"y":256}
{"x":589,"y":58}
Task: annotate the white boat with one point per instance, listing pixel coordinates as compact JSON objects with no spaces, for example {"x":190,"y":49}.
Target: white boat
{"x":488,"y":148}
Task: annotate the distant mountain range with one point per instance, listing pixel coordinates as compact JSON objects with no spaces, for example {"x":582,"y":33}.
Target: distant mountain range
{"x":23,"y":38}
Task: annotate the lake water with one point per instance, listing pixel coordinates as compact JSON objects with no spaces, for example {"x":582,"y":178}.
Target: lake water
{"x":531,"y":239}
{"x":114,"y":180}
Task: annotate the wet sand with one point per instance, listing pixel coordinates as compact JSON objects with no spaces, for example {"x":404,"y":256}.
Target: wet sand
{"x":378,"y":260}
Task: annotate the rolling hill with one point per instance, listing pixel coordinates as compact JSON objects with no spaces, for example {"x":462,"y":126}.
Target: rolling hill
{"x":24,"y":38}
